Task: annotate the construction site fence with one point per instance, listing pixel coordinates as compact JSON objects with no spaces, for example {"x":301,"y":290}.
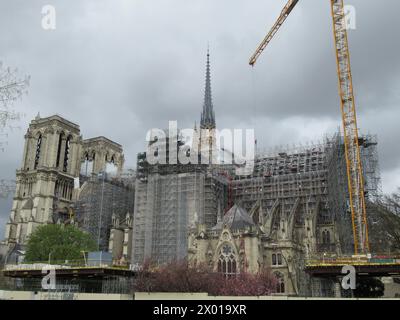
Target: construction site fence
{"x":353,"y":260}
{"x":76,"y":285}
{"x":39,"y":265}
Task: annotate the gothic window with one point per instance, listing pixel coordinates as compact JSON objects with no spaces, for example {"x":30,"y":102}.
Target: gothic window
{"x":66,"y":153}
{"x":56,"y":189}
{"x":60,"y":139}
{"x":111,"y":167}
{"x":38,"y":147}
{"x":280,"y":286}
{"x":277,"y":259}
{"x":227,"y":264}
{"x":64,"y":190}
{"x":326,"y":237}
{"x":87,"y":166}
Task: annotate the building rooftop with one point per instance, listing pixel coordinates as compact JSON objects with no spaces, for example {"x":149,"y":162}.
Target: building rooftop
{"x":38,"y":121}
{"x":102,"y":139}
{"x":236,"y":218}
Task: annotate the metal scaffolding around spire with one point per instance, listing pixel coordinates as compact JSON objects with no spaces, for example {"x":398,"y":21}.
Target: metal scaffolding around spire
{"x":208,"y":116}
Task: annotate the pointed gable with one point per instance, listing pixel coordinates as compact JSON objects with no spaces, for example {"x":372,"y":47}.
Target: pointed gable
{"x":236,"y":218}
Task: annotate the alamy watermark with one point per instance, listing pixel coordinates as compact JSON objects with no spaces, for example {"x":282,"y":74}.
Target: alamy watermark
{"x":204,"y":146}
{"x":49,"y":17}
{"x":349,"y":280}
{"x":49,"y":281}
{"x":350,"y":17}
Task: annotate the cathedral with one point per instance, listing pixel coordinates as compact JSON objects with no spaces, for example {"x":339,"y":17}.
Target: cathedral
{"x":58,"y":168}
{"x":292,"y":207}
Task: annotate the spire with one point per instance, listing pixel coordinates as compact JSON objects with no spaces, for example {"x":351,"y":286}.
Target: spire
{"x":207,"y":116}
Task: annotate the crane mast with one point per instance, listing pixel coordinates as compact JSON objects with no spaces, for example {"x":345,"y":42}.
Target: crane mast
{"x":351,"y":141}
{"x":349,"y":119}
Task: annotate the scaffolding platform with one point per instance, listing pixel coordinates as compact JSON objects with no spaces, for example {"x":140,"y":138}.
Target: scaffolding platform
{"x":73,"y":272}
{"x":374,"y":267}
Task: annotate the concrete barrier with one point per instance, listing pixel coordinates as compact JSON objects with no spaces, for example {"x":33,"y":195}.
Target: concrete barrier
{"x":42,"y":295}
{"x":30,"y":295}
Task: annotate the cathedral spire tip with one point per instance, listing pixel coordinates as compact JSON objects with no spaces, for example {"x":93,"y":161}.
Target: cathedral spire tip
{"x":207,"y":116}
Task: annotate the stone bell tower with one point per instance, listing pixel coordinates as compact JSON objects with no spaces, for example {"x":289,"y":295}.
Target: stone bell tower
{"x":45,"y":181}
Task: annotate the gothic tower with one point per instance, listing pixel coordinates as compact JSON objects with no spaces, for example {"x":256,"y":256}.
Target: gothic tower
{"x":45,"y":182}
{"x":48,"y":183}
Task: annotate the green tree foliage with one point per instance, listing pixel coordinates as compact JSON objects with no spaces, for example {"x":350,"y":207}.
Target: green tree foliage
{"x":60,"y":242}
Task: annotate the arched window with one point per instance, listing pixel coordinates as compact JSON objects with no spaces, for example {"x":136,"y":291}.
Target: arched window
{"x":274,"y":259}
{"x":38,"y":147}
{"x":87,"y":166}
{"x":111,"y":167}
{"x":277,"y":259}
{"x":326,"y":237}
{"x":56,"y":189}
{"x":66,"y":153}
{"x":60,"y":139}
{"x":280,"y":286}
{"x":227,"y":261}
{"x":279,"y":255}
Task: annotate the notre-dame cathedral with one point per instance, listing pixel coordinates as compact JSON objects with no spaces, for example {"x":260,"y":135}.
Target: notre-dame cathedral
{"x":52,"y":175}
{"x":291,"y":208}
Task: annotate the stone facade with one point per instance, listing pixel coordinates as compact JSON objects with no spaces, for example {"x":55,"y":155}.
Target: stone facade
{"x":240,"y":242}
{"x":120,"y":242}
{"x":47,"y":184}
{"x":101,"y":201}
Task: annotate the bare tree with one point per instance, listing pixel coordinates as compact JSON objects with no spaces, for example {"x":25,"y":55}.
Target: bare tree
{"x":392,"y":202}
{"x":12,"y":87}
{"x":179,"y":276}
{"x":7,"y":187}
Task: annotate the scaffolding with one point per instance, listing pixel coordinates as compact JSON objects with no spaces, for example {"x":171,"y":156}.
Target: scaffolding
{"x":100,"y":199}
{"x":170,"y":199}
{"x":309,"y":178}
{"x":294,"y":176}
{"x":166,"y":207}
{"x":370,"y":161}
{"x":338,"y":196}
{"x":305,"y":180}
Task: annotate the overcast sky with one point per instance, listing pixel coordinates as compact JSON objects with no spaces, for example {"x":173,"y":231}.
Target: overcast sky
{"x":118,"y":68}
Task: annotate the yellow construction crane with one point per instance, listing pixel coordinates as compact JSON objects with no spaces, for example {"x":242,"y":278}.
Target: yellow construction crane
{"x":351,"y":141}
